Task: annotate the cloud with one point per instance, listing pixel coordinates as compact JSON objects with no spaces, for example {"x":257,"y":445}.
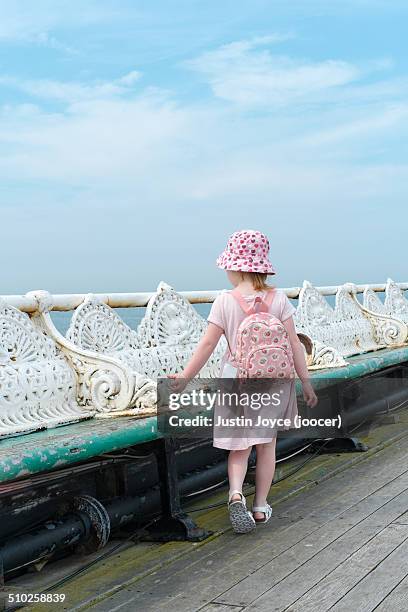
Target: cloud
{"x":130,"y":78}
{"x":158,"y":149}
{"x":27,"y":36}
{"x":44,"y":39}
{"x":389,"y":117}
{"x":110,"y":141}
{"x":72,"y":91}
{"x":144,"y":179}
{"x":128,"y":170}
{"x":46,"y":23}
{"x":244,"y":74}
{"x":118,"y":133}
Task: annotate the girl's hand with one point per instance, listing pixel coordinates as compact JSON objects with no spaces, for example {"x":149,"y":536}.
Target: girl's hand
{"x":309,"y":395}
{"x":178,"y":383}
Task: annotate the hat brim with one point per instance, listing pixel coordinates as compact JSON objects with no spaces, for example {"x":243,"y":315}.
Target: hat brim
{"x":242,"y":266}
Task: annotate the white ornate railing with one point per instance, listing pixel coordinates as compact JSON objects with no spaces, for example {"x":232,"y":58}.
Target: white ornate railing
{"x":163,"y":342}
{"x":347,"y":329}
{"x":38,"y":388}
{"x":103,"y":368}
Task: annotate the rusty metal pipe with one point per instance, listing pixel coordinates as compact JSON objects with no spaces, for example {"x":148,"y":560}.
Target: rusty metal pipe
{"x":42,"y":543}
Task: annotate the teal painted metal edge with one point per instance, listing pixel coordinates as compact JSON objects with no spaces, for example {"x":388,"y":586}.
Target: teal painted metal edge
{"x":61,"y":447}
{"x":361,"y":365}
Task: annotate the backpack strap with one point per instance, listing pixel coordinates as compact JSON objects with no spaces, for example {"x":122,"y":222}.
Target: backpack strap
{"x":243,"y":303}
{"x":264,"y":303}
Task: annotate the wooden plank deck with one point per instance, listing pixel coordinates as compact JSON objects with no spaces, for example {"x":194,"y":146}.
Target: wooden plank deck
{"x":341,"y":546}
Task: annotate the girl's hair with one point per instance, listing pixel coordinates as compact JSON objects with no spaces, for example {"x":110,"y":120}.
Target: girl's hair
{"x":257,"y":279}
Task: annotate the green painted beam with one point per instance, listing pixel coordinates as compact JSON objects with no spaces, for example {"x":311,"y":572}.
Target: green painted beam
{"x":361,"y":365}
{"x":23,"y":456}
{"x":60,"y":447}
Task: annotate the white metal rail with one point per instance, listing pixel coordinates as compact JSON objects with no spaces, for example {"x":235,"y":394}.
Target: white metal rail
{"x":70,"y":301}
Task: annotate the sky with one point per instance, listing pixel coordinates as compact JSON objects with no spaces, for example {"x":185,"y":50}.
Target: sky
{"x":136,"y":136}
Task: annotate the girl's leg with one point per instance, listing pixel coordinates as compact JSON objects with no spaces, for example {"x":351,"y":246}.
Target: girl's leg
{"x":265,"y":469}
{"x":237,"y":469}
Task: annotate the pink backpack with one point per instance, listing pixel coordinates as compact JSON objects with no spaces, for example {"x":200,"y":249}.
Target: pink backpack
{"x":263,"y":348}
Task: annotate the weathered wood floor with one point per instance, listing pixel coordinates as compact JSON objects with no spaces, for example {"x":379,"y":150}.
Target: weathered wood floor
{"x":340,"y":546}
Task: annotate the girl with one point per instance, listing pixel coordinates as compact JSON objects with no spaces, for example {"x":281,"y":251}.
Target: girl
{"x":246,"y":261}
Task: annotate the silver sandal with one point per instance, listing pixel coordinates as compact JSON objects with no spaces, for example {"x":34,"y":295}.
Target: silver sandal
{"x":241,"y":519}
{"x":266,"y":509}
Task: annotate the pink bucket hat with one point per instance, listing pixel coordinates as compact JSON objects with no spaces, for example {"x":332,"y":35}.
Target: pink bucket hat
{"x":246,"y":251}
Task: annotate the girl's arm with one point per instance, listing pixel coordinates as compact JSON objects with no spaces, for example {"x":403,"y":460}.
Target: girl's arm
{"x":200,"y":356}
{"x":300,"y":362}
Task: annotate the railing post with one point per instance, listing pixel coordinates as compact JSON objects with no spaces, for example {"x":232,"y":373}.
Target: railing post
{"x":346,"y":443}
{"x":174,"y":523}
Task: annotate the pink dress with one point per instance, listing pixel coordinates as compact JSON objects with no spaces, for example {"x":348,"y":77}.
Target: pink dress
{"x":227,"y":314}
